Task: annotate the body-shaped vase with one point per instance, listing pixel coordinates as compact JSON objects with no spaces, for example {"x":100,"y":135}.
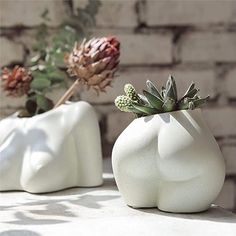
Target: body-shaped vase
{"x":170,"y":161}
{"x":51,"y":151}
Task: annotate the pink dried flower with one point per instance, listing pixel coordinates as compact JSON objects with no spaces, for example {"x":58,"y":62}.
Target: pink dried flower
{"x":16,"y":82}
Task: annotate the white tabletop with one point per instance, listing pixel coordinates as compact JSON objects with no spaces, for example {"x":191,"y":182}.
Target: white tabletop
{"x":101,"y":211}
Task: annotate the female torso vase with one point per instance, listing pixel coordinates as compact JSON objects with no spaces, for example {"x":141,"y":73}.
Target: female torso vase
{"x":52,"y":151}
{"x":170,"y":161}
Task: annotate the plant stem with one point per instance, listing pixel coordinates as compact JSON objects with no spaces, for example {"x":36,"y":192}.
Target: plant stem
{"x":68,"y":94}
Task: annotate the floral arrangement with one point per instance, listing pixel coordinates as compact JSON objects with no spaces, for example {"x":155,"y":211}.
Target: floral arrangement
{"x":154,"y":102}
{"x":92,"y":63}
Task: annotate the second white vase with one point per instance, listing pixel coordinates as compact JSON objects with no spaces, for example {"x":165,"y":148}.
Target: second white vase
{"x":51,"y":151}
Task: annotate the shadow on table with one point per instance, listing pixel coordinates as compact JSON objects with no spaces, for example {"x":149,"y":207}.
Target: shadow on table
{"x":56,"y":205}
{"x":19,"y":232}
{"x":215,"y":213}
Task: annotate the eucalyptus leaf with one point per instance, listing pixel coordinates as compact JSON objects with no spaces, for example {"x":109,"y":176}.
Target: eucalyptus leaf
{"x":40,"y":84}
{"x":56,"y":76}
{"x":44,"y":103}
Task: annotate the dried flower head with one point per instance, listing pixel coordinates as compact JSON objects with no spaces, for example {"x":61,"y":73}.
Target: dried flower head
{"x":94,"y":62}
{"x":16,"y":82}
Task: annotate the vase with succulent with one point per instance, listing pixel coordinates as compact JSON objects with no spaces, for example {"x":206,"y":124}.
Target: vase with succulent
{"x":47,"y":147}
{"x":167,"y":157}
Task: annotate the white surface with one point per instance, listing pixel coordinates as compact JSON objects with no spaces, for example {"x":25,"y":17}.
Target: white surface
{"x":52,"y":151}
{"x":101,"y":212}
{"x":169,"y":160}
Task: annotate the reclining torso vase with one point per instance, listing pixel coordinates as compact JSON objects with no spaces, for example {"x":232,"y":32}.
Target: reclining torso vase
{"x":170,"y":161}
{"x":51,"y":151}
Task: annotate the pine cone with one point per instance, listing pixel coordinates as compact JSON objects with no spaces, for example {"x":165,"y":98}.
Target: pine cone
{"x":16,"y":82}
{"x":94,"y":62}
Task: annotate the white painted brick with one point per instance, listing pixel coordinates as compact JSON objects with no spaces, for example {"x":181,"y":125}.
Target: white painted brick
{"x":112,"y":13}
{"x":10,"y":52}
{"x":117,"y":13}
{"x":116,"y":123}
{"x":229,"y":153}
{"x":137,"y":76}
{"x":183,"y":12}
{"x":231,"y":83}
{"x":209,"y":47}
{"x":146,"y":49}
{"x":226,"y":198}
{"x":221,"y":120}
{"x":28,"y":12}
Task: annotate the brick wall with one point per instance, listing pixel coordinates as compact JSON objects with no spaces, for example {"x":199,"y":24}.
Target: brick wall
{"x":193,"y":39}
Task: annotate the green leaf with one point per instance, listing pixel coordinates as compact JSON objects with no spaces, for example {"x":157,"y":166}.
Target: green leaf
{"x":44,"y":103}
{"x":40,"y":84}
{"x":174,"y":88}
{"x":152,"y":89}
{"x":169,"y":105}
{"x":184,"y":104}
{"x":134,"y":110}
{"x":191,"y":105}
{"x":191,"y":87}
{"x":192,"y":93}
{"x":154,"y":101}
{"x":163,"y":92}
{"x":171,"y":90}
{"x":200,"y":101}
{"x":145,"y":109}
{"x":56,"y":76}
{"x":143,"y":99}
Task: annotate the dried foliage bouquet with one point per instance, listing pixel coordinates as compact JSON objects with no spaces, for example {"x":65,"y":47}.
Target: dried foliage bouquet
{"x":54,"y":62}
{"x":92,"y":63}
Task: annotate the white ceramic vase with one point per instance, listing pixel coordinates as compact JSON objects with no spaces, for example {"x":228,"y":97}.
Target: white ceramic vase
{"x":170,"y":161}
{"x":51,"y":151}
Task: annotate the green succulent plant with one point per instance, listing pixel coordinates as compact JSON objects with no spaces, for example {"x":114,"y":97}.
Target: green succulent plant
{"x":155,"y":102}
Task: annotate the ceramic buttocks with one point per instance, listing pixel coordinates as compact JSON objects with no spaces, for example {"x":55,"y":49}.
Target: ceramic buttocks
{"x":52,"y":151}
{"x":170,"y":161}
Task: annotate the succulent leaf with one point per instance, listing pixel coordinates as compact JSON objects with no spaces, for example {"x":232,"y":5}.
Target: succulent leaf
{"x":174,"y":87}
{"x":145,"y":109}
{"x":183,"y":104}
{"x":191,"y":105}
{"x":171,"y":90}
{"x":200,"y":101}
{"x":192,"y":93}
{"x":163,"y":92}
{"x":152,"y":89}
{"x":191,"y":87}
{"x":169,"y":105}
{"x":154,"y":101}
{"x":144,"y":99}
